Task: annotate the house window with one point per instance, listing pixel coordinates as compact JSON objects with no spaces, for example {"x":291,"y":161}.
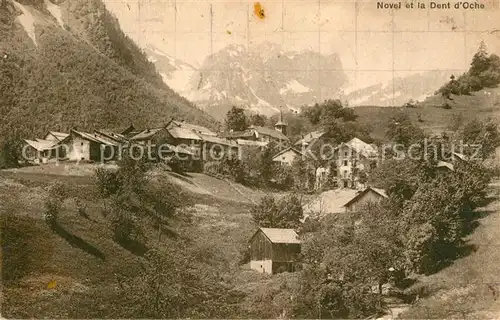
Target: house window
{"x":345,"y":173}
{"x":346,"y":154}
{"x":345,"y":163}
{"x":81,"y":143}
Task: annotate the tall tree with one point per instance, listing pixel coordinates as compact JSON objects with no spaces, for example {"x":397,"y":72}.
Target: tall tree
{"x":258,"y":120}
{"x":285,"y":213}
{"x":236,"y":119}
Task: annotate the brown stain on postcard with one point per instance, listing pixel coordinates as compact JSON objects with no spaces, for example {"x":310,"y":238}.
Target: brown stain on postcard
{"x":52,"y":284}
{"x":258,"y":10}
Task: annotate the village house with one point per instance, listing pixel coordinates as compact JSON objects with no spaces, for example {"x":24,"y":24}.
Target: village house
{"x":152,"y":136}
{"x":287,"y":156}
{"x":351,"y":160}
{"x":363,"y":198}
{"x":310,"y":139}
{"x":259,"y":134}
{"x":40,"y":151}
{"x":274,"y":250}
{"x":84,"y":146}
{"x":190,"y":127}
{"x":163,"y":143}
{"x":262,"y":135}
{"x":215,"y":148}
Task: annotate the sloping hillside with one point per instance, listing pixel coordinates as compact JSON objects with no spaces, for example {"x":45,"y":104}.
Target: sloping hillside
{"x":470,"y":287}
{"x":81,"y":272}
{"x":434,"y":118}
{"x":67,"y":63}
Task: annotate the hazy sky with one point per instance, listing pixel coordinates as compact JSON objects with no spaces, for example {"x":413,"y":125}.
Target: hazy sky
{"x":373,"y":44}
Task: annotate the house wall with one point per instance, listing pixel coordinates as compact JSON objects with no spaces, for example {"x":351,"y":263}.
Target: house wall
{"x":370,"y":197}
{"x":260,"y":248}
{"x":79,"y":149}
{"x":346,"y":160}
{"x":38,"y":157}
{"x":285,"y":252}
{"x":262,"y":266}
{"x":286,"y":158}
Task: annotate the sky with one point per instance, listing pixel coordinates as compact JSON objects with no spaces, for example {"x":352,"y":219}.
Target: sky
{"x":373,"y":44}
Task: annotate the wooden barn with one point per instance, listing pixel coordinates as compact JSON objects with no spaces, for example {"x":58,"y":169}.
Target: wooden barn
{"x":274,"y":250}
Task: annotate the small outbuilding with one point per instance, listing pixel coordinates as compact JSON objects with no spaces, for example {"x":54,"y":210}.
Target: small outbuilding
{"x":274,"y":250}
{"x":361,"y":199}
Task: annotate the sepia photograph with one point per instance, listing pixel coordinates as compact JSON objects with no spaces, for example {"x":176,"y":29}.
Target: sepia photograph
{"x":241,"y":159}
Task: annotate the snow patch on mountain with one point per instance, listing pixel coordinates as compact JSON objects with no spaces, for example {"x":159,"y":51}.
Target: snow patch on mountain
{"x":294,"y":86}
{"x":260,"y":102}
{"x":177,"y":80}
{"x":55,"y":11}
{"x":27,"y":21}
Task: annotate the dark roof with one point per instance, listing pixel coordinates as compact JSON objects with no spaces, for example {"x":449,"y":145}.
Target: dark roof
{"x":126,"y":130}
{"x":378,"y":191}
{"x":146,"y":134}
{"x":239,"y":134}
{"x":112,"y":135}
{"x":94,"y":138}
{"x":310,"y":137}
{"x":191,"y":127}
{"x":183,"y":133}
{"x":269,"y":132}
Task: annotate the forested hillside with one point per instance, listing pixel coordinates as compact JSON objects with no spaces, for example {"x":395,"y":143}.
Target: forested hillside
{"x":67,"y":63}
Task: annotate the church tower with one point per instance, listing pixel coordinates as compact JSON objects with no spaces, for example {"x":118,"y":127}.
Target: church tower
{"x":281,"y":126}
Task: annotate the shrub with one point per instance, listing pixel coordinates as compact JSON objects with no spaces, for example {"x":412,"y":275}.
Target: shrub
{"x":107,"y":182}
{"x":176,"y":165}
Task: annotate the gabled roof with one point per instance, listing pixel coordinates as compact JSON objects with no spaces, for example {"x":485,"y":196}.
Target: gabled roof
{"x":126,"y":130}
{"x":112,"y":135}
{"x":269,"y":132}
{"x":191,"y":127}
{"x":58,"y":135}
{"x":276,"y":235}
{"x":289,"y":149}
{"x":146,"y":134}
{"x":239,"y":134}
{"x":94,"y":138}
{"x":362,"y":147}
{"x":378,"y":191}
{"x":328,"y":202}
{"x":310,"y":137}
{"x":41,"y":145}
{"x":183,"y":133}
